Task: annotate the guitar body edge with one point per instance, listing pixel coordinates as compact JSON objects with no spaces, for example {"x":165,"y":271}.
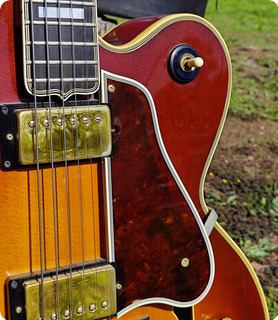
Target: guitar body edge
{"x":246,"y":300}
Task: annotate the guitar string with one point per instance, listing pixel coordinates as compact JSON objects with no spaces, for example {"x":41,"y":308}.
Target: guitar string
{"x":104,"y":186}
{"x":37,"y":157}
{"x":89,"y":155}
{"x":66,"y":170}
{"x":67,"y":189}
{"x":78,"y":159}
{"x":48,"y":77}
{"x":96,"y":69}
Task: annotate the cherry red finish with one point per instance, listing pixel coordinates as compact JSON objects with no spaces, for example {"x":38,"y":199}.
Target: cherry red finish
{"x":189,"y":117}
{"x":189,"y":114}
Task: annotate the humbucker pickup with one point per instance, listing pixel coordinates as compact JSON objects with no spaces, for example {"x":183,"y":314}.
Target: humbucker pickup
{"x":55,"y":134}
{"x":88,"y":293}
{"x":76,"y":133}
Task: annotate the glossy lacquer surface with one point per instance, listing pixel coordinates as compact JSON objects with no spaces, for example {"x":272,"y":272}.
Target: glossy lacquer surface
{"x":191,"y":117}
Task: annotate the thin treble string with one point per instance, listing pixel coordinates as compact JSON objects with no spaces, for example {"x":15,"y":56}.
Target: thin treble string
{"x":37,"y":155}
{"x":106,"y":184}
{"x":77,"y":145}
{"x":52,"y":159}
{"x":106,"y":204}
{"x":94,"y":15}
{"x":65,"y":155}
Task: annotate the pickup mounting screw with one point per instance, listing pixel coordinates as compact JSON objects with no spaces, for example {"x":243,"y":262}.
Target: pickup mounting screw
{"x":18,"y":309}
{"x":119,"y":286}
{"x":14,"y":284}
{"x":5,"y":110}
{"x":9,"y":137}
{"x":7,"y":164}
{"x":185,"y":262}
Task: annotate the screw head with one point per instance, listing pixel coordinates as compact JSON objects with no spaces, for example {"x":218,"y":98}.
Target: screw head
{"x":54,"y":316}
{"x":80,"y":310}
{"x":45,"y":122}
{"x":5,"y":110}
{"x":59,"y":122}
{"x":14,"y":284}
{"x":185,"y":262}
{"x":85,"y":120}
{"x":18,"y":309}
{"x":67,"y":314}
{"x":32,"y":124}
{"x":111,"y":88}
{"x":92,"y":307}
{"x":104,"y":304}
{"x":119,"y":286}
{"x":7,"y":164}
{"x":98,"y":120}
{"x":9,"y":137}
{"x":72,"y":121}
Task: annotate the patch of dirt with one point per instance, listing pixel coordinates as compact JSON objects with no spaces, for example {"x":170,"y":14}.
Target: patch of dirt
{"x":241,"y":185}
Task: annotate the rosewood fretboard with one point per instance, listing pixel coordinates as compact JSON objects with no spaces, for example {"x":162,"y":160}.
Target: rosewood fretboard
{"x":60,"y":47}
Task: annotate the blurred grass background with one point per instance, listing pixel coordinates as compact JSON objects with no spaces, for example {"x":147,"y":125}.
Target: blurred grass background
{"x":253,"y":24}
{"x":250,"y":29}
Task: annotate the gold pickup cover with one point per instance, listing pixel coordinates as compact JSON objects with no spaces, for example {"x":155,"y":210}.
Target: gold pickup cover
{"x":63,"y":133}
{"x":89,"y":295}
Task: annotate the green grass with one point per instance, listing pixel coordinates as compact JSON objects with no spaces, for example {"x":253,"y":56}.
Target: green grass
{"x":250,"y":29}
{"x":236,"y":20}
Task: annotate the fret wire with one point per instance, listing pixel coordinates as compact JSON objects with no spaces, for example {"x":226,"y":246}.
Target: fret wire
{"x":75,"y":3}
{"x":63,"y":43}
{"x":64,"y":23}
{"x":80,"y":61}
{"x":67,"y":62}
{"x":59,"y":80}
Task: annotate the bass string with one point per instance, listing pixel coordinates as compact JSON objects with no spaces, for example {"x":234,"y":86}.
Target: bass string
{"x":37,"y":158}
{"x":55,"y":226}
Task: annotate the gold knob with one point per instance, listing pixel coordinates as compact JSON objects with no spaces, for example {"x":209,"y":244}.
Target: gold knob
{"x":189,"y":63}
{"x":195,"y":62}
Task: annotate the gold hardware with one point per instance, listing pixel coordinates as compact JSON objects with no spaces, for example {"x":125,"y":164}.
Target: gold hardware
{"x":45,"y":122}
{"x":94,"y":137}
{"x":18,"y":309}
{"x":67,"y":314}
{"x":93,"y":307}
{"x":119,"y":286}
{"x":111,"y":88}
{"x":189,"y":63}
{"x":9,"y":137}
{"x":185,"y":262}
{"x":195,"y":62}
{"x":96,"y":287}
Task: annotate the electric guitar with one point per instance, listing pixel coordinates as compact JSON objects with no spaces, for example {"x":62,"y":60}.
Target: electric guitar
{"x":105,"y":144}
